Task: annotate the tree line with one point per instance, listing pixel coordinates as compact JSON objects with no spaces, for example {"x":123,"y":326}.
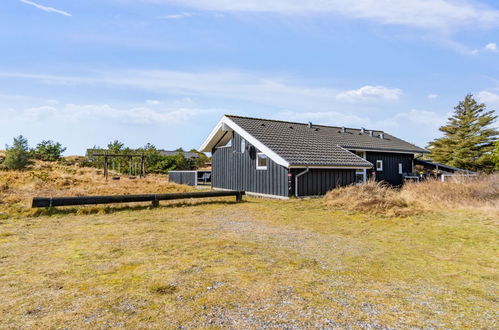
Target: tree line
{"x":19,"y":155}
{"x":155,"y":161}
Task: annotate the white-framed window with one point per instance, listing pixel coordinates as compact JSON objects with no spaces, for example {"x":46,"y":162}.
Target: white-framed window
{"x":227,"y":144}
{"x":243,"y":145}
{"x":261,"y":161}
{"x":401,"y":170}
{"x":379,"y":165}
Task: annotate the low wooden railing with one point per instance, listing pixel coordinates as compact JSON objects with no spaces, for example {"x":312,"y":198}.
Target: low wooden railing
{"x":154,"y":198}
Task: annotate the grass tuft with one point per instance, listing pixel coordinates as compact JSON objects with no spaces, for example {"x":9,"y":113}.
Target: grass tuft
{"x":377,"y":198}
{"x":163,"y":289}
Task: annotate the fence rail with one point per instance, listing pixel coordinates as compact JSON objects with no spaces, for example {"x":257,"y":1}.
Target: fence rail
{"x":154,"y":198}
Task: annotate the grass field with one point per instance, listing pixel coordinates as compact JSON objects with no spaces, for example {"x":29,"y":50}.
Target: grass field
{"x":260,"y":263}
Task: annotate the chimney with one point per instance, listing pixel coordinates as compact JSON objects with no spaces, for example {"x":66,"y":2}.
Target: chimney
{"x":309,"y":124}
{"x":362,"y":130}
{"x":370,"y":133}
{"x":343,"y":129}
{"x":381,"y":135}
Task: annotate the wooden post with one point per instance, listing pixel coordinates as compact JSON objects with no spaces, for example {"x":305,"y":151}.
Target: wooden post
{"x":239,"y":197}
{"x":155,"y":202}
{"x":105,"y":167}
{"x":142,"y":167}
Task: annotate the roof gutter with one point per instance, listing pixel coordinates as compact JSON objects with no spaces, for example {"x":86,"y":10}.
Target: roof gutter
{"x":296,"y":180}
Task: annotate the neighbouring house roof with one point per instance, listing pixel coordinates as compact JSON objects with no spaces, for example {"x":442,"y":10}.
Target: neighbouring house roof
{"x":297,"y":144}
{"x":443,"y":167}
{"x":187,"y":154}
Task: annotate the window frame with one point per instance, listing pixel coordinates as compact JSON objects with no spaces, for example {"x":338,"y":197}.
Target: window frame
{"x":379,"y":165}
{"x":228,"y":144}
{"x":258,"y":167}
{"x":242,"y":145}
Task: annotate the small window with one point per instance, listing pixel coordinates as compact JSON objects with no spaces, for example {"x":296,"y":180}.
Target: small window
{"x":261,"y":161}
{"x":401,"y":170}
{"x":243,"y":145}
{"x":227,"y":144}
{"x":379,"y":165}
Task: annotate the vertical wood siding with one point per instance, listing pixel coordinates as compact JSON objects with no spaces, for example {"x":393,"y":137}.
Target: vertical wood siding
{"x":318,"y":182}
{"x":390,"y":173}
{"x":183,"y":177}
{"x":235,"y":170}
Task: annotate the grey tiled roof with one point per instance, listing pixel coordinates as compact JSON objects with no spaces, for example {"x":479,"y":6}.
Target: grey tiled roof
{"x":319,"y":145}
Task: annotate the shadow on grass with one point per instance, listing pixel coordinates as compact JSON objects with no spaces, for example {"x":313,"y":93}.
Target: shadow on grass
{"x":108,"y":209}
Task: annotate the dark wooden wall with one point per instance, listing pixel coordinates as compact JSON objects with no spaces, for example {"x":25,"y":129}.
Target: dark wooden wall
{"x":318,"y":182}
{"x":183,"y":177}
{"x":390,"y":173}
{"x":233,"y":169}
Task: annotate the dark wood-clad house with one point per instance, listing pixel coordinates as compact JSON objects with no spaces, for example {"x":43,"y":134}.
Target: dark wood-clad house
{"x":282,"y":159}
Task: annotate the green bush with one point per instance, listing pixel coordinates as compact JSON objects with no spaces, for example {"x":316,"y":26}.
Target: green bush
{"x":48,"y":150}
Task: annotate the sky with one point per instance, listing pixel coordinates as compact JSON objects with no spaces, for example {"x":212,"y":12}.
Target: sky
{"x":164,"y":72}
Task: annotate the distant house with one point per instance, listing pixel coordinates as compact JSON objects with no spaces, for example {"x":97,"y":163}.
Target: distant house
{"x":186,"y":154}
{"x":282,"y":159}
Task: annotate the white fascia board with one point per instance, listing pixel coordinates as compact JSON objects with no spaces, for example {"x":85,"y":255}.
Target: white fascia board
{"x":387,"y":151}
{"x":260,"y":146}
{"x":218,"y":127}
{"x":331,"y":167}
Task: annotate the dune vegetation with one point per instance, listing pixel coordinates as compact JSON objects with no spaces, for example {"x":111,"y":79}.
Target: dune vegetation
{"x":52,"y":179}
{"x":301,"y":263}
{"x":478,"y":193}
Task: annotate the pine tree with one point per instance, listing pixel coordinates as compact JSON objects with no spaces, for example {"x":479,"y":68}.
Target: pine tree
{"x":17,"y":157}
{"x":468,"y":139}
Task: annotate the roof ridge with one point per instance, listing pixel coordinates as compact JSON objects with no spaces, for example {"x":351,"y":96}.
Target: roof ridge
{"x":298,"y":123}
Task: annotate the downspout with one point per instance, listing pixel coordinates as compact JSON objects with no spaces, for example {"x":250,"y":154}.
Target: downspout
{"x":296,"y":180}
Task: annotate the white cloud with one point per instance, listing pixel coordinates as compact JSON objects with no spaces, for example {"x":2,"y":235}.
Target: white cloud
{"x":134,"y":115}
{"x":45,"y":8}
{"x":177,"y":16}
{"x":230,"y":85}
{"x":491,"y":47}
{"x":490,"y":99}
{"x":369,"y":92}
{"x":152,"y":102}
{"x":426,"y":14}
{"x":433,"y":96}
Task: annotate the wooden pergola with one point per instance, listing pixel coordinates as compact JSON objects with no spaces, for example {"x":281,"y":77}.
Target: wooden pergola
{"x":107,"y":157}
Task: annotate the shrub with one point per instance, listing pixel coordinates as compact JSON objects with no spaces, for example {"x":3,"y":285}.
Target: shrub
{"x":17,"y":157}
{"x":48,"y":150}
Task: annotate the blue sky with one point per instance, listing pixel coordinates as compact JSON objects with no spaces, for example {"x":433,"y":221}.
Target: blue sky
{"x":165,"y":71}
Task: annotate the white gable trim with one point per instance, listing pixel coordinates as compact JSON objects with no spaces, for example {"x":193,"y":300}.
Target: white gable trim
{"x":260,"y":146}
{"x":248,"y":137}
{"x":210,"y":137}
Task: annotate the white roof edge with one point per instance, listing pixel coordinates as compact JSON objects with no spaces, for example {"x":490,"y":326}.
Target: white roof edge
{"x":332,"y":166}
{"x":211,"y":135}
{"x":263,"y":148}
{"x":248,"y":137}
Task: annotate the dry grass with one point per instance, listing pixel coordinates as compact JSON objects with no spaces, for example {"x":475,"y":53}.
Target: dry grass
{"x":47,"y":179}
{"x":479,"y":193}
{"x":257,"y":264}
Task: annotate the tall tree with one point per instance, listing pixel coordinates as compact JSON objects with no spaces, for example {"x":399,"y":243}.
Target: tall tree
{"x":17,"y":157}
{"x":468,"y":139}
